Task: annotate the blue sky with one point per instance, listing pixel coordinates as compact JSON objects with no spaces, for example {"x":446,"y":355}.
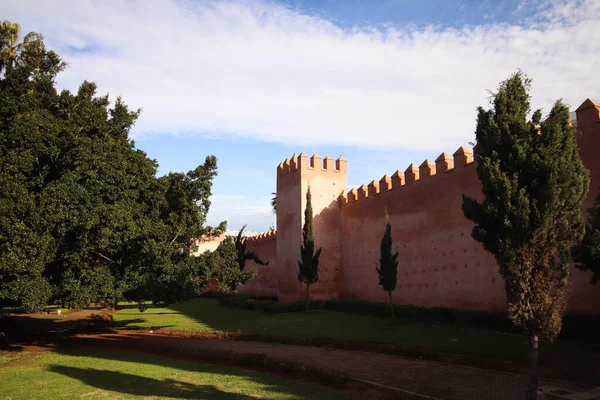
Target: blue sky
{"x":383,"y":83}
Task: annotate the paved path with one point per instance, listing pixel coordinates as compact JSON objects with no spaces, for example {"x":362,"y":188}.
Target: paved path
{"x":428,"y":379}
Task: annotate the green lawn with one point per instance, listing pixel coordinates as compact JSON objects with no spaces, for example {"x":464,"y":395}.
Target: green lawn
{"x":102,"y":374}
{"x":205,"y":314}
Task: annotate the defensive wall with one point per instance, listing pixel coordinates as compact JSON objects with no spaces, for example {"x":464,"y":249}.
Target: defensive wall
{"x":439,"y":262}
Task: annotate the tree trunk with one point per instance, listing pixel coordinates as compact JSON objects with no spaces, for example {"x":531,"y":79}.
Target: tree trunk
{"x":391,"y":304}
{"x":307,"y":285}
{"x":532,"y":384}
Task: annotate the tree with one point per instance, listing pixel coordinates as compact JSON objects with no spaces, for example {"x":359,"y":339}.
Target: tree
{"x":31,"y":52}
{"x":10,"y":47}
{"x":83,"y":217}
{"x":230,"y":273}
{"x":308,"y":268}
{"x":242,"y":254}
{"x":587,"y":254}
{"x":388,"y":263}
{"x":533,"y":183}
{"x":274,"y":202}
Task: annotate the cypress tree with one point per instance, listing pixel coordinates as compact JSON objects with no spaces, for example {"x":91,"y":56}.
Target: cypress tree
{"x":308,"y":272}
{"x":534,"y":183}
{"x":388,"y":263}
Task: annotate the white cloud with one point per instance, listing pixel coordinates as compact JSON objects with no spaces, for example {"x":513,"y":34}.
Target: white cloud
{"x":265,"y":71}
{"x":239,"y":210}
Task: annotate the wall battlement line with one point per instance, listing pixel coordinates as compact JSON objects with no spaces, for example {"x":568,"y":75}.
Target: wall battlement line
{"x":443,"y":163}
{"x":316,"y":162}
{"x":262,"y":237}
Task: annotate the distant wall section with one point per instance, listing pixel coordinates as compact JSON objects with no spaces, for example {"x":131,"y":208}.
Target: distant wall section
{"x":266,"y":282}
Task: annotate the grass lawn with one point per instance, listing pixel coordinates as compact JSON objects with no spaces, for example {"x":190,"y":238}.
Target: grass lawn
{"x":101,"y":374}
{"x":205,"y":314}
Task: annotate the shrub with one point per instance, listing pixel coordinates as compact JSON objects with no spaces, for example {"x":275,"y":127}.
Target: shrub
{"x":575,"y":327}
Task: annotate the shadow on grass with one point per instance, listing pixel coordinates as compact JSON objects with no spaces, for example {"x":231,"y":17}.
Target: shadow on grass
{"x":23,"y":328}
{"x":114,"y":376}
{"x":577,"y":361}
{"x":143,"y":386}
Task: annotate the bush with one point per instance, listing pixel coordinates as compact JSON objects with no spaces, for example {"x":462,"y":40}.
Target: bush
{"x":298,"y":306}
{"x":217,"y":295}
{"x":245,"y":302}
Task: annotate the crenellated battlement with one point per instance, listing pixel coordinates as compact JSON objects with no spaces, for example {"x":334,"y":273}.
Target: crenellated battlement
{"x":262,"y":237}
{"x":315,"y":163}
{"x":427,"y":169}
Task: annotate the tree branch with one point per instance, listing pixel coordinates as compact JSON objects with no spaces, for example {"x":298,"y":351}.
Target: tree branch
{"x":103,"y":256}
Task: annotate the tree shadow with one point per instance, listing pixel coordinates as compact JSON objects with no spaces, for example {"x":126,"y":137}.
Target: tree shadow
{"x":143,"y":386}
{"x":119,"y":350}
{"x":24,"y":328}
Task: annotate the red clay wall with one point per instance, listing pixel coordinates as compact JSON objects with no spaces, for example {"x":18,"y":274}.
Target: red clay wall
{"x":266,"y":282}
{"x":439,"y":263}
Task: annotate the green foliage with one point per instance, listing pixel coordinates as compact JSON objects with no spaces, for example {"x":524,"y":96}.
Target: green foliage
{"x":274,"y":202}
{"x":227,"y":273}
{"x":83,"y":217}
{"x":388,"y":262}
{"x":575,"y":327}
{"x":308,"y":267}
{"x":30,"y":53}
{"x":232,"y":256}
{"x":533,"y":186}
{"x":242,"y":254}
{"x":587,"y":254}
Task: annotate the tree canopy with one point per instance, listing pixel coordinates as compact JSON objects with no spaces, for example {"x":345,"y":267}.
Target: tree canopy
{"x":83,"y":216}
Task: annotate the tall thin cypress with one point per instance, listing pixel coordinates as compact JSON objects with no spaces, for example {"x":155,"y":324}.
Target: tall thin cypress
{"x":388,"y":263}
{"x":308,"y":272}
{"x":533,"y":183}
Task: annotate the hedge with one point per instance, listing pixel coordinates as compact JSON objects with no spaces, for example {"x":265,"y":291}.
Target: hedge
{"x":575,"y":327}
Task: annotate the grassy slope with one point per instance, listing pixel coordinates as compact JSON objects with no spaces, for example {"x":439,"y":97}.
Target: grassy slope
{"x":101,"y":374}
{"x":205,"y":314}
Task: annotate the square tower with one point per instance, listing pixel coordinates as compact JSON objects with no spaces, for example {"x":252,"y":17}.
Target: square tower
{"x":327,"y":179}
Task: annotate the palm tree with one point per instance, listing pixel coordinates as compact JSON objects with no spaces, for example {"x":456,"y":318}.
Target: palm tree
{"x":274,"y":202}
{"x":10,"y":47}
{"x":242,"y":254}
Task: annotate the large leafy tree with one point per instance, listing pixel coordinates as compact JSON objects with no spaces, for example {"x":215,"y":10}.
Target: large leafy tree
{"x":587,"y":254}
{"x":388,"y":263}
{"x":533,"y":184}
{"x":83,"y":217}
{"x":308,"y":267}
